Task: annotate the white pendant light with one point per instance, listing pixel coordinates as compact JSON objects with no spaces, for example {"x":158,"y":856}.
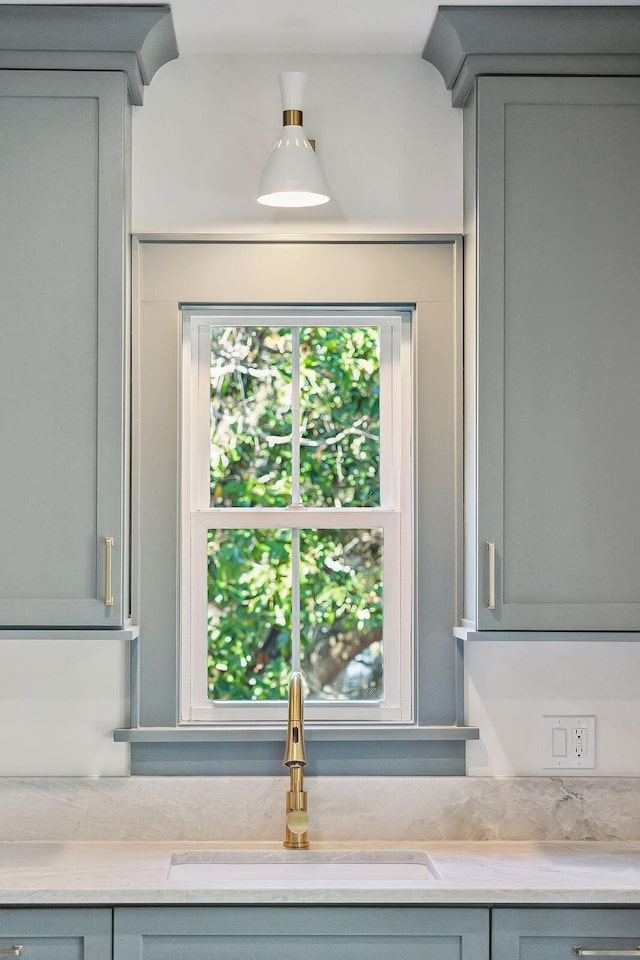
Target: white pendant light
{"x":292,"y":176}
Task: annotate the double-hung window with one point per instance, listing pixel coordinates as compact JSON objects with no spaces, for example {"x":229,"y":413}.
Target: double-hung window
{"x":296,"y":513}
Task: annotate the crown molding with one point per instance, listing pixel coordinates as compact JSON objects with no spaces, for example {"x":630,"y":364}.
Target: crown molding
{"x":137,"y":40}
{"x":467,"y":42}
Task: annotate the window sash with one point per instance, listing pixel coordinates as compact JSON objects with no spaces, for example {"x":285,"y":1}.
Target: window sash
{"x":390,"y":403}
{"x":293,"y":317}
{"x":393,"y":516}
{"x":390,"y":708}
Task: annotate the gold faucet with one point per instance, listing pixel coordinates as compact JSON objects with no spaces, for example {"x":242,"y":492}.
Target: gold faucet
{"x":295,"y":757}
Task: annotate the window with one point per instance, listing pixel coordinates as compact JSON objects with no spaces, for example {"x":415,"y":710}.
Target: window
{"x":296,"y":532}
{"x":406,"y":290}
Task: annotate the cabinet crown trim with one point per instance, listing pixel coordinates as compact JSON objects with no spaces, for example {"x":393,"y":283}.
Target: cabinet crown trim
{"x":135,"y":39}
{"x":467,"y":42}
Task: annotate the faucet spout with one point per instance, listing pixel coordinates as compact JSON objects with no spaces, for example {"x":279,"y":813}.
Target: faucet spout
{"x":295,"y":758}
{"x":295,"y":754}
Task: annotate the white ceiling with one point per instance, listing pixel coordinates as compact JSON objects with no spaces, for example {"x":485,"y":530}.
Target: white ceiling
{"x":312,"y":26}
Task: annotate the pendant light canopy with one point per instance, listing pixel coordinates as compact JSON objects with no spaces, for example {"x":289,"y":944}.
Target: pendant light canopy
{"x":292,"y":176}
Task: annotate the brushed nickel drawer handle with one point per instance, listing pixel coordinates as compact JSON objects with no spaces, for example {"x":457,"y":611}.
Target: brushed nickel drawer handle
{"x":631,"y":952}
{"x":108,"y":593}
{"x":491,"y":601}
{"x":14,"y":951}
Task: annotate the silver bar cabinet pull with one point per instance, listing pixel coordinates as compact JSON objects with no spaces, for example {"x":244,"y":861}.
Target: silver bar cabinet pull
{"x":491,"y":600}
{"x":108,"y":594}
{"x":630,"y":952}
{"x":14,"y":951}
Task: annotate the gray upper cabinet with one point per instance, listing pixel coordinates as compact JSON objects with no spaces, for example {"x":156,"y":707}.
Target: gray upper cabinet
{"x":558,"y":340}
{"x":64,"y":326}
{"x":552,"y":304}
{"x":62,"y":353}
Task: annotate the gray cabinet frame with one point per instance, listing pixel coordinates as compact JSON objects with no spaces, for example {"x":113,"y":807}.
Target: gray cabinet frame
{"x":551,"y":934}
{"x":290,"y":932}
{"x":52,"y":934}
{"x":606,"y":563}
{"x":106,"y":453}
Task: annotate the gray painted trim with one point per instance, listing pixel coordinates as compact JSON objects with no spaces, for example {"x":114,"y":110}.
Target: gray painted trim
{"x":541,"y":65}
{"x":134,"y":684}
{"x":437,"y":427}
{"x":137,"y":40}
{"x":313,"y":929}
{"x":458,"y":299}
{"x":134,"y":450}
{"x":440,"y":415}
{"x":113,"y":326}
{"x":73,"y":633}
{"x":389,"y":758}
{"x":120,"y":62}
{"x":224,"y":733}
{"x":459,"y":679}
{"x":523,"y":635}
{"x":506,"y":40}
{"x":380,"y":238}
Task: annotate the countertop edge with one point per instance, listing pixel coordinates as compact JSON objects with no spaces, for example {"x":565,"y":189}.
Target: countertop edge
{"x":477,"y":873}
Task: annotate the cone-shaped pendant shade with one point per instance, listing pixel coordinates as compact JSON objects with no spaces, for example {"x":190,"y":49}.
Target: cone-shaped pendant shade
{"x":292,"y":176}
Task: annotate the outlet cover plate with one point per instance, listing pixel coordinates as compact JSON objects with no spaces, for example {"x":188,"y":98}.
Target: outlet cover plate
{"x":569,"y":743}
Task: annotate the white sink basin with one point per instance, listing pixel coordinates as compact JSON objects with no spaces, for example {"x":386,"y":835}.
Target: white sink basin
{"x":302,"y":868}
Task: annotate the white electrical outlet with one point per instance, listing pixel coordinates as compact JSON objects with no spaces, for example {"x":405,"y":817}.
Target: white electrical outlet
{"x":569,"y":743}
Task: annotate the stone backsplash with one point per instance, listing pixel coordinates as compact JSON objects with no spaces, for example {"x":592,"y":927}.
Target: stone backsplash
{"x":341,"y":808}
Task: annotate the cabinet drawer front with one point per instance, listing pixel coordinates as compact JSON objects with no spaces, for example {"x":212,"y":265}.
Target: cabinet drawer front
{"x":286,"y":933}
{"x":56,"y":934}
{"x":559,"y":934}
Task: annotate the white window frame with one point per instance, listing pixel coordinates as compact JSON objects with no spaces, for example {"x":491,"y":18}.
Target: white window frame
{"x":394,"y":515}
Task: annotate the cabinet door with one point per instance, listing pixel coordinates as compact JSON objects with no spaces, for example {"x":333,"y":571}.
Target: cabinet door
{"x":558,"y":207}
{"x":288,"y":933}
{"x":56,"y":934}
{"x":539,"y":934}
{"x":62,"y":346}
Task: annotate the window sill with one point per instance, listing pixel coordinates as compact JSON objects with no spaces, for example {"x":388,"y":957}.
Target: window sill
{"x":128,"y":632}
{"x":355,"y":751}
{"x":276,"y":732}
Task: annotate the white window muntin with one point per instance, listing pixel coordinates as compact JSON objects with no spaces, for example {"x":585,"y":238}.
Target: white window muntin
{"x":394,"y":515}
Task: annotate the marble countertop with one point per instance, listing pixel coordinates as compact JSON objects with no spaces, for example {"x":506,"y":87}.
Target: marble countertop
{"x":131,"y":872}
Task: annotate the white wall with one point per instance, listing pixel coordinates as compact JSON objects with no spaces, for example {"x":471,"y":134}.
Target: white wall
{"x":388,"y":140}
{"x":391,"y":146}
{"x":510,"y":686}
{"x":59,"y":703}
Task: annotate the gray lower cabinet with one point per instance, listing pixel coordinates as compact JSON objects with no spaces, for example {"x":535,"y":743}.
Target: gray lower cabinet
{"x":553,"y":166}
{"x":56,"y":934}
{"x":316,"y":932}
{"x":63,"y":347}
{"x":564,"y":934}
{"x":292,"y":932}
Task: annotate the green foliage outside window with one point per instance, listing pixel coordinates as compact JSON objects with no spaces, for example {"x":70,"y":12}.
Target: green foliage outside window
{"x":249,"y":570}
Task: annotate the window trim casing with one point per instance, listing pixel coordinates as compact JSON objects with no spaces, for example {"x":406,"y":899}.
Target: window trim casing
{"x":170,"y":270}
{"x":394,"y":515}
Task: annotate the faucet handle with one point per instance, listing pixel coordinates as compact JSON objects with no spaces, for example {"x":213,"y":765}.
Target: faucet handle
{"x":298,"y":821}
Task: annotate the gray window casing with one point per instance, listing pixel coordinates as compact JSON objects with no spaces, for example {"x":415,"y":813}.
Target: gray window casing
{"x":423,"y":272}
